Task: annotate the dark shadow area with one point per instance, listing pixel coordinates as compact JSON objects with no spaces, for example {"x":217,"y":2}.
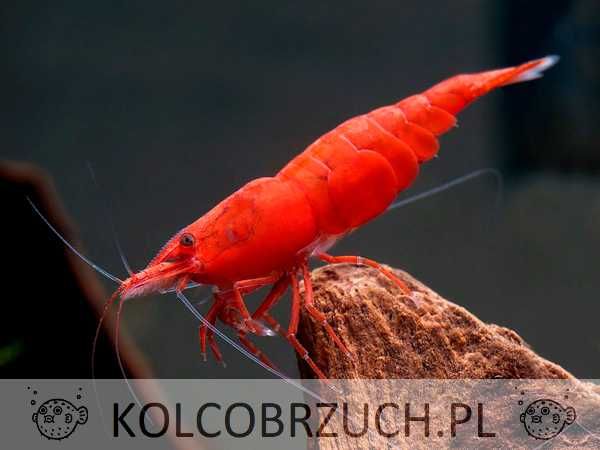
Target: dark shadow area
{"x":51,"y":300}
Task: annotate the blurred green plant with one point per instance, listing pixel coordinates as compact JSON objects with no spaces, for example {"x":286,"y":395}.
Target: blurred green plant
{"x":10,"y":352}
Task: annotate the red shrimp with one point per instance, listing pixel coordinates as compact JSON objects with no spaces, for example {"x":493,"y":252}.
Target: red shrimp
{"x":265,"y":232}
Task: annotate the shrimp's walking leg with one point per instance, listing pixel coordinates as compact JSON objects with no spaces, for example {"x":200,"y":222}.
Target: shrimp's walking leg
{"x":239,"y":288}
{"x":315,"y":313}
{"x":262,"y":312}
{"x":204,"y":333}
{"x":254,"y":349}
{"x":245,"y":286}
{"x":272,"y":297}
{"x":293,"y":328}
{"x":211,"y":317}
{"x":274,"y":325}
{"x":366,"y":262}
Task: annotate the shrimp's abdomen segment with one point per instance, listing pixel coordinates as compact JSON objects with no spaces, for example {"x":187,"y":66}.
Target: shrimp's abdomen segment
{"x":346,"y":183}
{"x":376,"y":131}
{"x":352,"y":174}
{"x":311,"y":175}
{"x":361,"y":195}
{"x":255,"y":231}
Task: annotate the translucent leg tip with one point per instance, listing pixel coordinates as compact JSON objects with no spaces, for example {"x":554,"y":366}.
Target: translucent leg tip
{"x":250,"y":326}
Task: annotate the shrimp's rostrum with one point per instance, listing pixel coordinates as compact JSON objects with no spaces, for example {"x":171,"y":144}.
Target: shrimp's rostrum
{"x":264,"y":233}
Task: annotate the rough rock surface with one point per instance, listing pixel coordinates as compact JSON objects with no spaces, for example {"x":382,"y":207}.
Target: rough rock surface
{"x":424,"y":336}
{"x":421,"y":336}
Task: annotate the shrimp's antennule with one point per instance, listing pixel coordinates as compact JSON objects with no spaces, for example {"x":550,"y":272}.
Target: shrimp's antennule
{"x":109,"y":213}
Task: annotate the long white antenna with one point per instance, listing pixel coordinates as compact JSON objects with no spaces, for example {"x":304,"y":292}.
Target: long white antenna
{"x":436,"y":190}
{"x":109,"y":213}
{"x":73,"y":249}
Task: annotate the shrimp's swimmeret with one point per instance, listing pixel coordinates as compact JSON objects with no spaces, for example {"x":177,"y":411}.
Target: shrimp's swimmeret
{"x":265,"y":232}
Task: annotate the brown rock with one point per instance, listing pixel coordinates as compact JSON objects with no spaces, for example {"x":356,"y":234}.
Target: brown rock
{"x":397,"y":336}
{"x":424,"y":336}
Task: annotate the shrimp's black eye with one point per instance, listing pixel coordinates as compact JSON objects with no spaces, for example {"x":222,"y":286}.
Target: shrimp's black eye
{"x":187,"y":240}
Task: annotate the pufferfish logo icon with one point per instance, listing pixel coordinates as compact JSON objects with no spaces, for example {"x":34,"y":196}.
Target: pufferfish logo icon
{"x":545,"y":419}
{"x":57,"y":418}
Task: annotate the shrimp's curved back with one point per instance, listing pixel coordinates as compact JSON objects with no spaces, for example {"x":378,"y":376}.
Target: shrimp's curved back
{"x":354,"y":172}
